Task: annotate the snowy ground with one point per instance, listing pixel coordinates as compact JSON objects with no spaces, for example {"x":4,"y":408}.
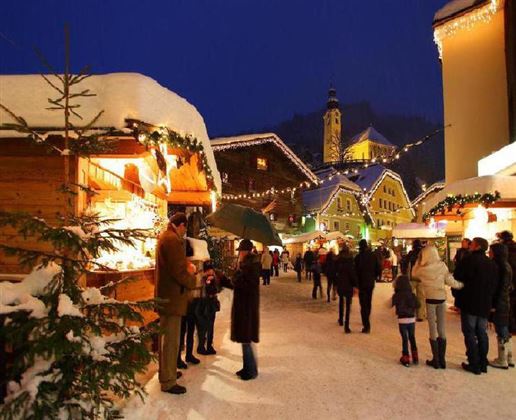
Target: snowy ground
{"x":309,"y":369}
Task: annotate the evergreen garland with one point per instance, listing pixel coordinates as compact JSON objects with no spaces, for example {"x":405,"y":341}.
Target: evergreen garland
{"x":175,"y":140}
{"x":460,"y":201}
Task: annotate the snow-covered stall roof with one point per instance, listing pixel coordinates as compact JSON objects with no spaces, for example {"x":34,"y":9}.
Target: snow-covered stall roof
{"x":371,"y":134}
{"x":247,"y":140}
{"x":302,"y":238}
{"x":417,"y":230}
{"x":456,"y":7}
{"x":121,"y":96}
{"x":505,"y":185}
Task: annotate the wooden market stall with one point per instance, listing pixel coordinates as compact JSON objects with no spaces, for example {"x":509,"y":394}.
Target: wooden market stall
{"x":159,"y":154}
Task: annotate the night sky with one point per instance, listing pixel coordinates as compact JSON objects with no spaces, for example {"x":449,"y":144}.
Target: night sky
{"x":244,"y":64}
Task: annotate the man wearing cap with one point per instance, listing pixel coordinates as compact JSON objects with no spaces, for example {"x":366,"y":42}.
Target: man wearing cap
{"x":245,"y":313}
{"x":174,"y":276}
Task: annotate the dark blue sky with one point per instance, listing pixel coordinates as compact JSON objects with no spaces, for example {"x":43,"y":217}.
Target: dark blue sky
{"x":244,"y":64}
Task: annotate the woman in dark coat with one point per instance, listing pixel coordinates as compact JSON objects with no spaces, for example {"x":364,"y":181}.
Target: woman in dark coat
{"x":345,"y":280}
{"x":245,"y":313}
{"x":501,"y":306}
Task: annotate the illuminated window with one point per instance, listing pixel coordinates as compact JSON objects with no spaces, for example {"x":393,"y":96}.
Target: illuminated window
{"x":251,"y":185}
{"x":381,"y":203}
{"x":339,"y":203}
{"x":348,"y":204}
{"x":347,"y":227}
{"x":225,"y":177}
{"x":262,"y":164}
{"x":336,"y":225}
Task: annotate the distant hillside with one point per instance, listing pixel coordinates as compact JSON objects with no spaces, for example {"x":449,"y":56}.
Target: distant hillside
{"x":424,"y":163}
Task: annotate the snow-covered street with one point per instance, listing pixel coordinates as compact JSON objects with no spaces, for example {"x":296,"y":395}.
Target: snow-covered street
{"x":308,"y":368}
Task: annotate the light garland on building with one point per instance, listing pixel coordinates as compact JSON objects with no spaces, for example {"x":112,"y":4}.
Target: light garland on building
{"x":156,"y":137}
{"x":460,"y":201}
{"x":466,"y":22}
{"x":237,"y":143}
{"x":317,"y":181}
{"x":433,"y":188}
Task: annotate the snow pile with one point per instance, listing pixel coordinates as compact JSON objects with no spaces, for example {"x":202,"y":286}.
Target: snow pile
{"x":72,"y":338}
{"x":32,"y":378}
{"x":23,"y":296}
{"x":120,"y":95}
{"x":66,"y":307}
{"x":78,"y":231}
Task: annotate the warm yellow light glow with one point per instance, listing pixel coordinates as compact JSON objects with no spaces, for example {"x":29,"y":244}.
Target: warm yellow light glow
{"x":213,"y":196}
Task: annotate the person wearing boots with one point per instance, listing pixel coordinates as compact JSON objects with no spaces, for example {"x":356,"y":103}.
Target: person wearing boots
{"x":174,"y":277}
{"x":501,"y":306}
{"x":412,"y":256}
{"x":506,"y":238}
{"x":345,"y":280}
{"x":480,"y":277}
{"x":433,"y":274}
{"x":189,"y":322}
{"x":368,"y":269}
{"x":266,"y":261}
{"x":245,"y":311}
{"x":405,"y":302}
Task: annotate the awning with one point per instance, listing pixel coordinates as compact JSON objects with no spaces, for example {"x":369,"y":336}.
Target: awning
{"x":418,"y":231}
{"x":505,"y":185}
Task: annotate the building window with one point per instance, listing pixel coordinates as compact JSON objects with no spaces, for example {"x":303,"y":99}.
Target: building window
{"x":336,"y":225}
{"x":339,"y":203}
{"x":381,"y":203}
{"x":225,"y":177}
{"x":272,"y":217}
{"x":348,"y":204}
{"x":251,"y":185}
{"x":262,"y":164}
{"x":347,"y":227}
{"x":384,"y":189}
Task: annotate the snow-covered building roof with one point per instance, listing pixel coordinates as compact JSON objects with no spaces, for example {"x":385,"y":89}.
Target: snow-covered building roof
{"x":366,"y":178}
{"x":122,"y":97}
{"x":319,"y":198}
{"x":455,"y":8}
{"x":247,"y":140}
{"x":370,"y":134}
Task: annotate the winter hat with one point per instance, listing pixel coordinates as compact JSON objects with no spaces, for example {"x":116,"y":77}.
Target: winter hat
{"x":429,"y":255}
{"x":245,"y":245}
{"x":402,"y":284}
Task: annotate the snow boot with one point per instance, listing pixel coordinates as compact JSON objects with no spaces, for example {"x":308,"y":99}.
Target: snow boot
{"x":415,"y":356}
{"x":501,"y":361}
{"x":405,"y":360}
{"x":435,"y":355}
{"x":509,"y":353}
{"x":441,"y":351}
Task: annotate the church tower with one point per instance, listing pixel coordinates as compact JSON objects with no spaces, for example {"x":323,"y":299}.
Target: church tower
{"x":332,"y":129}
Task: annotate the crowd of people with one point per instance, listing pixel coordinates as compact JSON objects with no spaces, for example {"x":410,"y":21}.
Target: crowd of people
{"x":484,"y":287}
{"x":483,"y":284}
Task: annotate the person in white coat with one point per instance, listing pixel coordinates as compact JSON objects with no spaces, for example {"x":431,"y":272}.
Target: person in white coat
{"x":433,"y":274}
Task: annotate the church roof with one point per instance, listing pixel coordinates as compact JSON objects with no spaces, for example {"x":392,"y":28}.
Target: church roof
{"x":371,"y":134}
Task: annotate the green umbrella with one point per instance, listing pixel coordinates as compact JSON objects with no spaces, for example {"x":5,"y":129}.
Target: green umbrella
{"x":245,"y":223}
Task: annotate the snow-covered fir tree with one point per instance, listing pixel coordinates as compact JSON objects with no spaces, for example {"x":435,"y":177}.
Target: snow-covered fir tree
{"x":75,"y":349}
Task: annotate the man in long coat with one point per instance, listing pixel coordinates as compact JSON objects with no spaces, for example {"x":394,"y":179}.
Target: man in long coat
{"x":368,"y":269}
{"x":245,"y":313}
{"x":174,"y":276}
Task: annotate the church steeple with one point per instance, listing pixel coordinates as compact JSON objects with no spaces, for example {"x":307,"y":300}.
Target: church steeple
{"x":332,"y":129}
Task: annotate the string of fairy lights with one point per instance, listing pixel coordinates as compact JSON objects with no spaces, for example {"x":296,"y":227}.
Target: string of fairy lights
{"x":381,"y":159}
{"x":466,"y":22}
